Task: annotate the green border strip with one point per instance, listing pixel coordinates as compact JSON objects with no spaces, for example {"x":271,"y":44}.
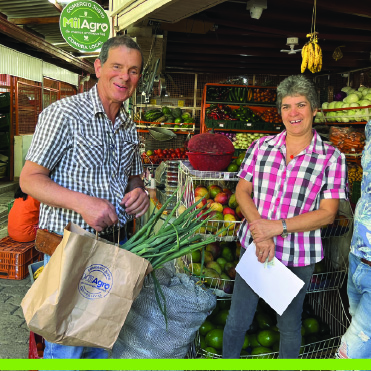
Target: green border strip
{"x":185,"y":364}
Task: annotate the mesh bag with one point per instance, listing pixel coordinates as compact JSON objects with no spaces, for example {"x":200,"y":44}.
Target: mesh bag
{"x":144,"y":334}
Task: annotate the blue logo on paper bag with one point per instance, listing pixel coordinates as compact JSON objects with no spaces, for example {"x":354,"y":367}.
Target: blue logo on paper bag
{"x":96,"y":282}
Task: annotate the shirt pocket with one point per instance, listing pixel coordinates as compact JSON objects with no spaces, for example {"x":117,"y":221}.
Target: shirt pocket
{"x":90,"y":152}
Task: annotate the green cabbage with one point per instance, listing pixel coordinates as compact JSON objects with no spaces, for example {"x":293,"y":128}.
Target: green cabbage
{"x":364,"y":103}
{"x":331,"y":105}
{"x":351,"y":98}
{"x":325,"y":105}
{"x":329,"y":116}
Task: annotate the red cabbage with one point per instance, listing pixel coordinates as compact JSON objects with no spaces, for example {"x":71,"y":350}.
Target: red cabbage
{"x":340,"y":95}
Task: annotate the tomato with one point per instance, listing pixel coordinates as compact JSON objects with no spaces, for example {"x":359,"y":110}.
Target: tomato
{"x":171,"y":150}
{"x":173,"y":155}
{"x":159,"y":151}
{"x":165,"y":152}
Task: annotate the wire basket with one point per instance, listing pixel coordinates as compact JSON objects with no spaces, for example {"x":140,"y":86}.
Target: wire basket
{"x":189,"y":179}
{"x":328,"y":306}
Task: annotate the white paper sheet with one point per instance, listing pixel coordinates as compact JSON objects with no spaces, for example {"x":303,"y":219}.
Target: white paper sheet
{"x":275,"y":283}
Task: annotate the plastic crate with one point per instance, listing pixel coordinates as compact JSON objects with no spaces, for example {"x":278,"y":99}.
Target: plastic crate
{"x":328,"y":306}
{"x":15,"y":258}
{"x":35,"y":342}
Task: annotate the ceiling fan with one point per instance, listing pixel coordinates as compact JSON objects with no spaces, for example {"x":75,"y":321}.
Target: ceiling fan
{"x":291,"y":41}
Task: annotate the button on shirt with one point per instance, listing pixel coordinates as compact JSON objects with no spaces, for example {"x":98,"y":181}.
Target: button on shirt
{"x":85,"y":152}
{"x":283,"y":191}
{"x":361,"y":240}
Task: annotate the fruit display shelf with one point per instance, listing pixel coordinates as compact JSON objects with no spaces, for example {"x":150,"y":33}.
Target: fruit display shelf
{"x":326,"y":308}
{"x":189,"y":179}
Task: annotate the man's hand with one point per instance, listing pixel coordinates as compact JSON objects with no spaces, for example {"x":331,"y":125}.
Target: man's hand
{"x":98,"y":213}
{"x":136,"y":202}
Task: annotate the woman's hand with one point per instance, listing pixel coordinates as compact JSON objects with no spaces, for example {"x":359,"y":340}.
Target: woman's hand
{"x":263,"y":229}
{"x":264,"y":250}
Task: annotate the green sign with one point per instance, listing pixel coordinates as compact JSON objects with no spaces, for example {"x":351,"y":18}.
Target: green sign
{"x":84,"y":25}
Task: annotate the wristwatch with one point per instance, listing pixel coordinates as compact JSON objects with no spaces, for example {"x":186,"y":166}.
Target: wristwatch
{"x":284,"y":233}
{"x":144,"y":190}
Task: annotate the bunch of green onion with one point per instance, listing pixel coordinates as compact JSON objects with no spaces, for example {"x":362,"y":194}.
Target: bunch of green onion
{"x":176,"y":238}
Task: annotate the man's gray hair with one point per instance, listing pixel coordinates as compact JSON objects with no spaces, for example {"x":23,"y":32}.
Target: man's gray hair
{"x":115,"y":42}
{"x":294,"y":86}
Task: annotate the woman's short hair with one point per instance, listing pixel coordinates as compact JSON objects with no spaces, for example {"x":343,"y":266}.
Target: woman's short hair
{"x":115,"y":42}
{"x":294,"y":86}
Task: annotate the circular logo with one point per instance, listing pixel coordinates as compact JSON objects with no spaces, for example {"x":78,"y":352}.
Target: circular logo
{"x":84,"y":25}
{"x":96,"y":282}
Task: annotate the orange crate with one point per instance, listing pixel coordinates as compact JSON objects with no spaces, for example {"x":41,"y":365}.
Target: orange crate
{"x":15,"y":258}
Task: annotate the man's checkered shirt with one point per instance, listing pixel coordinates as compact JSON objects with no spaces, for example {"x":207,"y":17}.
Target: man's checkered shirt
{"x":86,"y":153}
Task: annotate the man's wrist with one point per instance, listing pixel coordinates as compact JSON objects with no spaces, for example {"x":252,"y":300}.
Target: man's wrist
{"x":143,"y":189}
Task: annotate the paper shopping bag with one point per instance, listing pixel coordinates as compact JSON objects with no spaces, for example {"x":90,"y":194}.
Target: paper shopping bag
{"x":85,"y":292}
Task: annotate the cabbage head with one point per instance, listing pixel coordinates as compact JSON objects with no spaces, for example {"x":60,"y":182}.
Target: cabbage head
{"x":351,"y":98}
{"x":329,"y":116}
{"x":324,"y":105}
{"x":364,"y":103}
{"x":331,"y":105}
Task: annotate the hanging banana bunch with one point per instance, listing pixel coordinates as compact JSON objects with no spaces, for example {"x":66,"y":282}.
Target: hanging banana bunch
{"x":311,"y":52}
{"x":311,"y":55}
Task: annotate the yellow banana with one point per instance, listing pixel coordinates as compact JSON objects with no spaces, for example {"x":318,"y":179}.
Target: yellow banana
{"x":304,"y":54}
{"x":37,"y":272}
{"x":310,"y":56}
{"x":319,"y":58}
{"x":317,"y":51}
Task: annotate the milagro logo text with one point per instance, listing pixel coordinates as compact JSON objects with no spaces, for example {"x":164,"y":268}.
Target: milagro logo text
{"x":96,"y":282}
{"x":76,"y":23}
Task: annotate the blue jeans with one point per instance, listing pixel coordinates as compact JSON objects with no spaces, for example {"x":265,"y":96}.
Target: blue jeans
{"x":356,"y":342}
{"x":58,"y":351}
{"x":242,"y":311}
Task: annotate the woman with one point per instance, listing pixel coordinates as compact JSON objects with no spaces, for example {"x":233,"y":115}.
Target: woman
{"x":296,"y":180}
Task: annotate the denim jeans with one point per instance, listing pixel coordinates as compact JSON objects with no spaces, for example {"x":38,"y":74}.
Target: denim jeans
{"x":242,"y":311}
{"x":356,"y":342}
{"x":58,"y":351}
